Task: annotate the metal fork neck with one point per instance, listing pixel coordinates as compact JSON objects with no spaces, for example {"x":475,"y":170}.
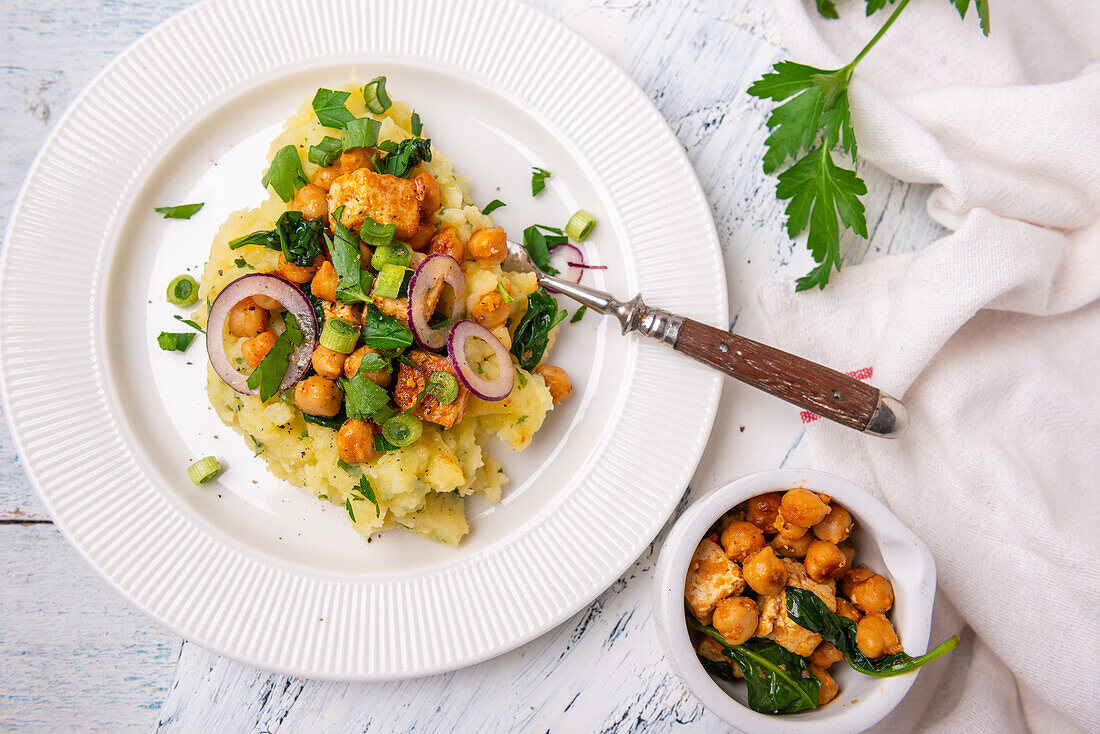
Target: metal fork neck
{"x":634,"y":315}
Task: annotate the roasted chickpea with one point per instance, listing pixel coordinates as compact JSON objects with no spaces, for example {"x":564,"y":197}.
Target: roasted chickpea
{"x":849,"y":553}
{"x":741,"y":539}
{"x":325,"y":282}
{"x":824,"y":561}
{"x":310,"y":201}
{"x":829,"y":687}
{"x":490,"y":310}
{"x":355,"y":442}
{"x":488,"y":245}
{"x":764,"y":573}
{"x":762,"y":510}
{"x":803,"y":508}
{"x":423,"y":237}
{"x":825,"y":655}
{"x":735,"y":618}
{"x":267,"y":303}
{"x":355,"y":359}
{"x":354,"y":159}
{"x":791,"y":547}
{"x":256,"y":348}
{"x":318,"y":395}
{"x":297,"y":273}
{"x":447,"y":242}
{"x":874,"y":595}
{"x":325,"y":176}
{"x":836,"y":526}
{"x":845,"y":609}
{"x":427,"y":191}
{"x":245,"y":318}
{"x":556,"y":380}
{"x":788,"y":530}
{"x":875,"y":636}
{"x":328,"y":363}
{"x":857,"y":575}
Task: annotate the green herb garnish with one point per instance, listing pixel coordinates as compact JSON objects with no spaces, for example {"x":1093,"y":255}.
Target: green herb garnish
{"x":363,"y":398}
{"x":268,"y":375}
{"x":533,"y":332}
{"x":319,"y":420}
{"x":347,"y":506}
{"x":401,"y":159}
{"x":538,"y":180}
{"x":415,"y":125}
{"x":325,"y":152}
{"x":578,"y":314}
{"x":190,"y":323}
{"x":374,"y":363}
{"x":346,"y":260}
{"x":183,"y":211}
{"x":537,"y":240}
{"x":174,"y":342}
{"x":240,"y":262}
{"x":329,"y":106}
{"x":299,"y":238}
{"x":367,"y":493}
{"x":384,"y":332}
{"x":361,"y":133}
{"x":268,"y":238}
{"x":503,"y":293}
{"x":285,"y":175}
{"x":492,"y":206}
{"x":257,"y":447}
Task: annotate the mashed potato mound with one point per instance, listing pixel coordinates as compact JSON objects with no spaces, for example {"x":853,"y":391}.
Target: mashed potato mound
{"x":420,"y":487}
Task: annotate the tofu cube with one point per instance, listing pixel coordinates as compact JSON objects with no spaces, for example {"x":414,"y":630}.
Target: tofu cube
{"x":411,"y":381}
{"x":711,"y":577}
{"x":384,"y":198}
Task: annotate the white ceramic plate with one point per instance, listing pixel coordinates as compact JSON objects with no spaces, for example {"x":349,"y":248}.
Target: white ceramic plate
{"x":250,"y":566}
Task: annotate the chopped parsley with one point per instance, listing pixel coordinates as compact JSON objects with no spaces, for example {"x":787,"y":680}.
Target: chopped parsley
{"x":492,"y":206}
{"x":363,"y":398}
{"x":538,"y":180}
{"x":367,"y":493}
{"x":190,"y":323}
{"x":578,"y":314}
{"x":329,"y":106}
{"x":401,"y":158}
{"x":240,"y":262}
{"x":171,"y":342}
{"x":361,"y":133}
{"x":285,"y":175}
{"x":384,"y":332}
{"x":415,"y":125}
{"x":537,"y":240}
{"x":268,"y":375}
{"x":183,"y":211}
{"x":354,"y":283}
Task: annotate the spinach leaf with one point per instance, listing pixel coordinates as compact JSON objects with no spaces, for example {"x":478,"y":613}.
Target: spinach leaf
{"x":538,"y":180}
{"x":330,"y":110}
{"x":268,"y":238}
{"x":415,"y":125}
{"x":778,"y":681}
{"x":492,"y":206}
{"x":174,"y":342}
{"x":381,"y":444}
{"x":346,"y":261}
{"x":401,"y":159}
{"x":385,"y":332}
{"x":334,"y":423}
{"x":299,"y":238}
{"x":183,"y":211}
{"x":325,"y":152}
{"x":807,"y":610}
{"x":537,"y":240}
{"x":361,"y":133}
{"x":533,"y":332}
{"x":268,"y":375}
{"x":363,"y":398}
{"x":285,"y":175}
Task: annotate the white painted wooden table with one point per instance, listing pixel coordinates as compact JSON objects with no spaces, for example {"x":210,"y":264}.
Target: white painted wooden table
{"x":75,"y":656}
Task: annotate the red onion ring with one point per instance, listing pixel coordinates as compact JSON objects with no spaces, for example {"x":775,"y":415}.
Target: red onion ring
{"x":573,"y":259}
{"x":425,"y":278}
{"x":582,"y":266}
{"x":490,"y":390}
{"x":290,"y":297}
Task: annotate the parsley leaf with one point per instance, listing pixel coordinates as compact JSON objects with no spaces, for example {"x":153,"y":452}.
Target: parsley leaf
{"x":828,"y":8}
{"x":299,"y":238}
{"x":402,"y":158}
{"x":268,"y":238}
{"x":537,"y":240}
{"x":268,"y":375}
{"x":981,"y":6}
{"x":415,"y":125}
{"x":347,"y":506}
{"x":367,"y":492}
{"x":325,"y":152}
{"x":285,"y":175}
{"x":533,"y":332}
{"x":372,"y":362}
{"x":346,"y":261}
{"x":189,"y":322}
{"x":183,"y":211}
{"x":174,"y":342}
{"x":578,"y":314}
{"x":329,"y":107}
{"x":362,"y":397}
{"x":384,"y":332}
{"x":240,"y":262}
{"x":361,"y":133}
{"x":492,"y":206}
{"x":538,"y":180}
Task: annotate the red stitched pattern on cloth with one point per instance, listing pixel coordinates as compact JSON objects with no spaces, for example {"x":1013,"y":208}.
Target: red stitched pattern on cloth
{"x":863,"y":373}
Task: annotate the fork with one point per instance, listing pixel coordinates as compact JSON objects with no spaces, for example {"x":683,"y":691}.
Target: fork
{"x":807,"y":384}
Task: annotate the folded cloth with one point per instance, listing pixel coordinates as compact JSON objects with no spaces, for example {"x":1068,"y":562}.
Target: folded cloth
{"x":991,"y":335}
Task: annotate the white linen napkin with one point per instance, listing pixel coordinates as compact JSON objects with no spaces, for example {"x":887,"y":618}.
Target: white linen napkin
{"x":990,"y":335}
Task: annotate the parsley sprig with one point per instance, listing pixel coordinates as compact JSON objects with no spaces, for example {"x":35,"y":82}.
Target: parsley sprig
{"x":813,"y":124}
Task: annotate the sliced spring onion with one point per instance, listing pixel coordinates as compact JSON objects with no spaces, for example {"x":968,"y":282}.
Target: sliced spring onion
{"x":377,"y":234}
{"x":374,"y":94}
{"x":396,"y":254}
{"x":538,"y":180}
{"x":183,"y":291}
{"x":503,"y":292}
{"x":389,"y":281}
{"x":401,"y":430}
{"x":580,"y":225}
{"x":204,"y":470}
{"x":339,"y":336}
{"x":492,"y":206}
{"x":443,"y":386}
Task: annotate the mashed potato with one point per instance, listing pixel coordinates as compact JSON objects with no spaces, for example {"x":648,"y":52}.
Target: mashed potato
{"x":420,"y":487}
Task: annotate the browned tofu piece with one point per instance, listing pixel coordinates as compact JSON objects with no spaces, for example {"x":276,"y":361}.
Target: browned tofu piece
{"x":398,"y":308}
{"x":410,"y":382}
{"x":711,"y":577}
{"x":350,"y":312}
{"x":384,"y":198}
{"x":775,"y":623}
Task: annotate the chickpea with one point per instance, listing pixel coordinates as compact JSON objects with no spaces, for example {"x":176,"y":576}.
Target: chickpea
{"x":762,"y":510}
{"x":875,"y":636}
{"x":874,"y":595}
{"x":328,"y":363}
{"x":355,"y":442}
{"x":447,"y":242}
{"x":557,"y":380}
{"x":844,"y":608}
{"x":829,"y":688}
{"x":256,"y":348}
{"x":849,"y":580}
{"x":325,"y":282}
{"x":297,"y":273}
{"x":803,"y":508}
{"x":488,"y":246}
{"x":764,"y":573}
{"x":267,"y":303}
{"x":788,"y":530}
{"x":849,"y":553}
{"x":742,"y":539}
{"x":836,"y":527}
{"x":351,"y":367}
{"x":423,"y":237}
{"x":427,"y":191}
{"x":735,"y":618}
{"x":325,"y":176}
{"x":318,"y":395}
{"x":737,"y":514}
{"x":792,"y":547}
{"x":354,"y":159}
{"x":824,"y":561}
{"x":310,"y":201}
{"x":247,"y":319}
{"x":825,"y":655}
{"x":490,"y":310}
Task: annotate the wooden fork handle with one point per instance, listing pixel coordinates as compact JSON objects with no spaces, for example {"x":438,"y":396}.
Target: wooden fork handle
{"x":808,"y":385}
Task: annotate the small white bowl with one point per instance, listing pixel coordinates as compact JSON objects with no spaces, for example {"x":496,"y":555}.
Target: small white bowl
{"x":881,"y":542}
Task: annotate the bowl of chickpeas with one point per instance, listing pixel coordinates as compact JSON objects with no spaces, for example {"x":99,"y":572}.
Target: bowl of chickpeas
{"x":792,"y":600}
